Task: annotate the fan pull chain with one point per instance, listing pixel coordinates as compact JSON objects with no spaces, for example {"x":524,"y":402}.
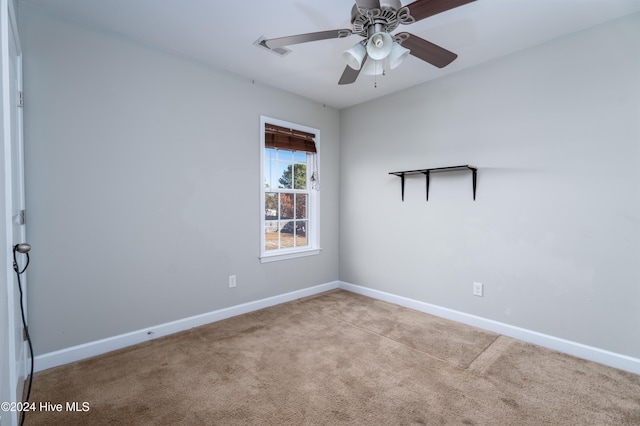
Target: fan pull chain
{"x":375,"y":76}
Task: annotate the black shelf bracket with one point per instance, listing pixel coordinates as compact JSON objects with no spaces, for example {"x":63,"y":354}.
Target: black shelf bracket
{"x":427,"y":173}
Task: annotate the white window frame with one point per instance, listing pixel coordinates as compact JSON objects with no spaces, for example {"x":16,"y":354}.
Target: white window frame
{"x":313,"y":224}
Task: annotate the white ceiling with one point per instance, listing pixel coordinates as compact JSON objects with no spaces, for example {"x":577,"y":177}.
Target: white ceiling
{"x":222,"y":34}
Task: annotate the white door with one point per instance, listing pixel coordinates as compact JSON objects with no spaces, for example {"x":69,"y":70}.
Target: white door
{"x":12,"y":346}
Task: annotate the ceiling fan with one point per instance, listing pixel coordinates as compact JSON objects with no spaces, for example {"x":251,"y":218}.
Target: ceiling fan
{"x":375,"y":20}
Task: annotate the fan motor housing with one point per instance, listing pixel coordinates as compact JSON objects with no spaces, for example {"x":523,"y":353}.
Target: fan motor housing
{"x":386,"y":17}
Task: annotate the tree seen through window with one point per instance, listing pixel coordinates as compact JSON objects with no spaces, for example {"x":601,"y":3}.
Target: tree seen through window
{"x":287,"y":203}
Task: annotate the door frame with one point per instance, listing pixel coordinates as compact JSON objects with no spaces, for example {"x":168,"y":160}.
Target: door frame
{"x":12,"y":346}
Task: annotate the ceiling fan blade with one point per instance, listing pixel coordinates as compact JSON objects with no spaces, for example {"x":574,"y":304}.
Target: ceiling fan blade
{"x":304,"y":38}
{"x":368,"y":4}
{"x":427,"y":51}
{"x":349,"y":75}
{"x":421,"y":9}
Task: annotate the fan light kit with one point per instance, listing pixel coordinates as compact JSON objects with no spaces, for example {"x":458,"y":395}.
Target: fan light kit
{"x":375,"y":20}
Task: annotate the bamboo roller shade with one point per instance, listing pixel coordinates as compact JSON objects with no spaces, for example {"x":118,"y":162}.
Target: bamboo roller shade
{"x":283,"y":138}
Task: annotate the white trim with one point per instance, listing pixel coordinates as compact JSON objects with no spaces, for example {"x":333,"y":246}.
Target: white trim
{"x":86,"y":350}
{"x":98,"y":347}
{"x":284,"y":256}
{"x":14,"y":28}
{"x":11,"y":388}
{"x":612,"y":359}
{"x":314,"y":200}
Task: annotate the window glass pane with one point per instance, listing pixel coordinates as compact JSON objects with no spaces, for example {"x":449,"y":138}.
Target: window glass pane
{"x":300,"y":157}
{"x":301,"y":233}
{"x":271,"y":235}
{"x":301,"y":206}
{"x":285,"y":155}
{"x":286,"y":206}
{"x":284,"y":175}
{"x":270,"y":206}
{"x":286,"y":233}
{"x":269,"y":153}
{"x":300,"y":180}
{"x":268,"y":172}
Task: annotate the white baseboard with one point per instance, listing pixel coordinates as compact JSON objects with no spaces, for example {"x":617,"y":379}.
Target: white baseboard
{"x":612,"y":359}
{"x":98,"y":347}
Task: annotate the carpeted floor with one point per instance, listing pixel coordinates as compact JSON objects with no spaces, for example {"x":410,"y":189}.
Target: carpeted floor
{"x":332,"y":359}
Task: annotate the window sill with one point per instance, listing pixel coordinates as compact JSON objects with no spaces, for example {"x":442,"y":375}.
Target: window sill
{"x":266,"y":258}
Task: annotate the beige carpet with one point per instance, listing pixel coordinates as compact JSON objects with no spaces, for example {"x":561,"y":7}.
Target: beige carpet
{"x":332,"y":359}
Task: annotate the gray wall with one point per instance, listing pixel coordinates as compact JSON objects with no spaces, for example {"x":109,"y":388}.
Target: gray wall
{"x":143,"y":196}
{"x":554,"y":234}
{"x":142,"y":173}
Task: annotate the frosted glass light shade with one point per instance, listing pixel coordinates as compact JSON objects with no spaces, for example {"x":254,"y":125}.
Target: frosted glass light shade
{"x":397,"y":55}
{"x":354,"y":56}
{"x":379,"y":46}
{"x":372,"y":67}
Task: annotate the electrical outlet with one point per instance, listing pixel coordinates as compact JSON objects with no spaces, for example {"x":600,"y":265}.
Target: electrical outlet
{"x":478,"y":289}
{"x":232,"y":281}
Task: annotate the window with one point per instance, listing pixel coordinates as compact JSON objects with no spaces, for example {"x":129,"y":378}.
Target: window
{"x":290,"y":193}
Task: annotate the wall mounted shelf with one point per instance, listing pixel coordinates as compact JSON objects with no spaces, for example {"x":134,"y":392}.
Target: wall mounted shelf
{"x":427,"y":173}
